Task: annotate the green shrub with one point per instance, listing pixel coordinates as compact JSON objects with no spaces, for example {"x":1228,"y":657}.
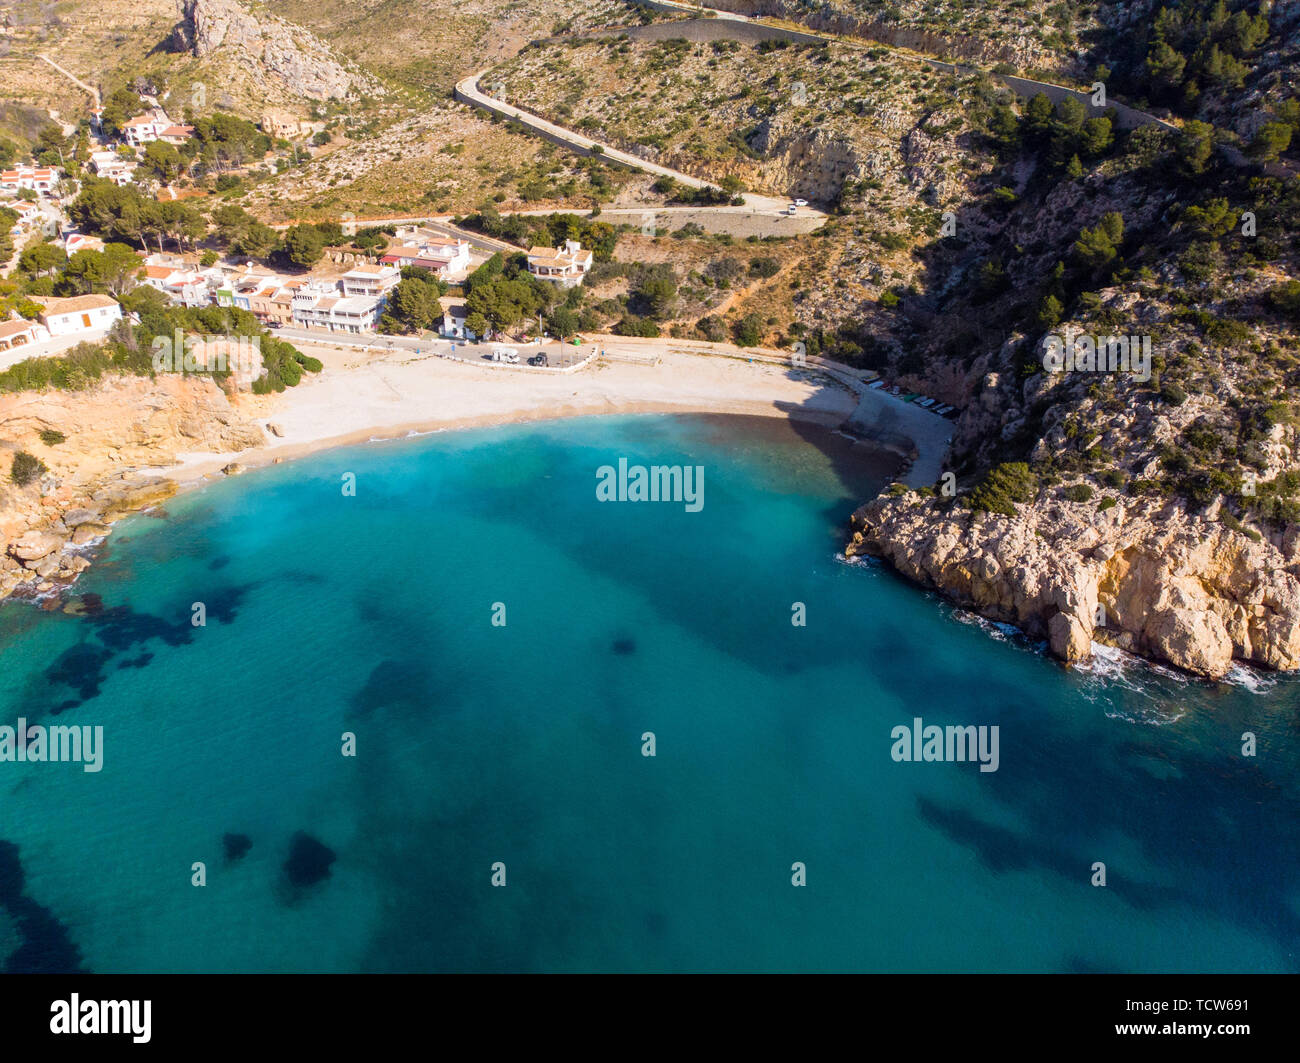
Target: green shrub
{"x":632,"y":325}
{"x":51,"y":438}
{"x":1077,"y":493}
{"x":1107,"y":503}
{"x":1229,"y":521}
{"x":1003,"y":487}
{"x":26,"y":468}
{"x":1173,"y":394}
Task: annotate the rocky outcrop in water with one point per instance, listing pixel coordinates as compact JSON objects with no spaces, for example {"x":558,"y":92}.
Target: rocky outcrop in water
{"x":268,"y":45}
{"x":1143,"y":576}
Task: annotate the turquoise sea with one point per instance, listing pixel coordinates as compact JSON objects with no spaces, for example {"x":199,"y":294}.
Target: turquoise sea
{"x":520,"y":744}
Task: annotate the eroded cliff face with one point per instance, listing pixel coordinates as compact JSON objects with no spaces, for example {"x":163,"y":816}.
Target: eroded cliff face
{"x":117,"y":434}
{"x":1143,"y":576}
{"x":268,"y":45}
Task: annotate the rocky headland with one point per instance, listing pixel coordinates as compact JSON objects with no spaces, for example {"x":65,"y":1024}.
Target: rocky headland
{"x":1144,"y":576}
{"x":115,"y":435}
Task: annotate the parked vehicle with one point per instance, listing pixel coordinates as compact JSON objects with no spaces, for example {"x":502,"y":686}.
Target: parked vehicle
{"x":792,"y":209}
{"x":801,"y":203}
{"x":538,"y":359}
{"x":505,"y":354}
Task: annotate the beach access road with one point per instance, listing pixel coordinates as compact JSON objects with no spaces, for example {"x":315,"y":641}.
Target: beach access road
{"x":772,"y":208}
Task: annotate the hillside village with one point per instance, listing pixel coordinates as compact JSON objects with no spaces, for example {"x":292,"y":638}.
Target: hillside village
{"x":347,"y":293}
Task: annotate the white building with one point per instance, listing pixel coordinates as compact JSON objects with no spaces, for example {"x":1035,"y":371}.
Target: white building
{"x":317,"y":306}
{"x":454,"y":315}
{"x":113,"y":167}
{"x":184,"y":287}
{"x":420,"y":248}
{"x":74,"y":241}
{"x":81,"y":313}
{"x":29,"y":216}
{"x":155,"y":125}
{"x":565,"y":266}
{"x":19,"y":333}
{"x":34,"y":178}
{"x":373,"y":281}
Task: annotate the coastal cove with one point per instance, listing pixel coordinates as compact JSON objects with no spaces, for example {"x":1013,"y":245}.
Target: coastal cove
{"x":522,"y":743}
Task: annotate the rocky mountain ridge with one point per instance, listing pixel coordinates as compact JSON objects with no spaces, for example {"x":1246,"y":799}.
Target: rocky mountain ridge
{"x":269,"y":46}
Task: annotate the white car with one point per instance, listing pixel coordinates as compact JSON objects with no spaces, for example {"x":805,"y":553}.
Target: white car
{"x":801,"y":203}
{"x":791,"y":209}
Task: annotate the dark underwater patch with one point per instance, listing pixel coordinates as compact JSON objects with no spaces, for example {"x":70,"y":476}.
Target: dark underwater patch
{"x":309,"y":861}
{"x":235,"y":846}
{"x":46,"y":946}
{"x":392,"y":683}
{"x":120,"y":630}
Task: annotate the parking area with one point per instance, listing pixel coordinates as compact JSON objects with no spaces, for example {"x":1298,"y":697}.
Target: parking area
{"x":556,"y":356}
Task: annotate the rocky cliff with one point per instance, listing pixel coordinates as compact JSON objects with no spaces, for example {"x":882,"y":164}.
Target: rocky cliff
{"x":269,"y":47}
{"x":1146,"y":577}
{"x":115,"y":434}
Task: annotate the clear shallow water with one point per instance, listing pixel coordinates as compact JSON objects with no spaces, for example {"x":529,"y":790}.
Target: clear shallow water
{"x":522,"y":743}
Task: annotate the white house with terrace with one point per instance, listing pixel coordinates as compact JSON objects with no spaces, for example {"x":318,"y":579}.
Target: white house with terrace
{"x":371,"y":281}
{"x":419,"y":247}
{"x":182,"y":285}
{"x":565,"y":266}
{"x":320,"y":306}
{"x":113,"y":167}
{"x":145,"y":128}
{"x":33,"y":178}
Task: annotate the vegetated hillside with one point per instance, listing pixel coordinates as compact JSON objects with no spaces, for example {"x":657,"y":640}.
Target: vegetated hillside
{"x":444,"y":160}
{"x":97,"y":42}
{"x":432,"y":45}
{"x":1029,"y":34}
{"x":885,"y":140}
{"x":798,"y":120}
{"x":1186,"y":237}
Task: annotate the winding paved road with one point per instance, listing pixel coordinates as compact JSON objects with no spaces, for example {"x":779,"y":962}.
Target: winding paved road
{"x":468,"y":91}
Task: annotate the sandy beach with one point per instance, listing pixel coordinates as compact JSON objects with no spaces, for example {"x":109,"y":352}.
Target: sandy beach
{"x":363,"y":395}
{"x":126,"y":444}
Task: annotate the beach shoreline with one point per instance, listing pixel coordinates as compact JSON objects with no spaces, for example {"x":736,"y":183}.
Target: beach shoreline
{"x":132,"y":433}
{"x":202,"y":467}
{"x":361,"y":398}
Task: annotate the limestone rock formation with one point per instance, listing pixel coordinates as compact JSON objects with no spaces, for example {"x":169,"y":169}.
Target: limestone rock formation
{"x":114,"y":433}
{"x":1144,"y":576}
{"x":268,"y":45}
